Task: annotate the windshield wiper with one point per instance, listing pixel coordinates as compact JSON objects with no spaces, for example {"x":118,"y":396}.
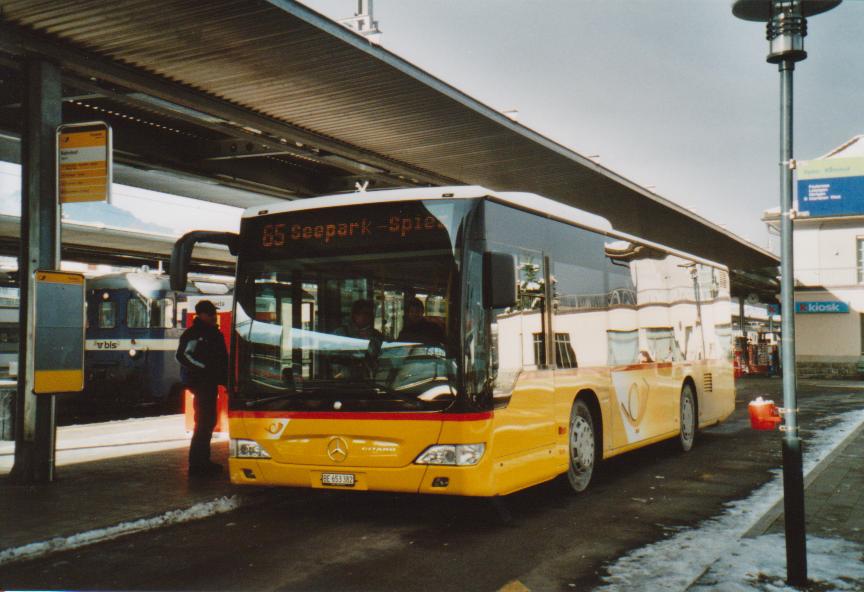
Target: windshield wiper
{"x":328,"y":389}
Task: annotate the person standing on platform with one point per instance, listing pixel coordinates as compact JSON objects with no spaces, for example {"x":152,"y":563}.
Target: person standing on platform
{"x":204,"y":366}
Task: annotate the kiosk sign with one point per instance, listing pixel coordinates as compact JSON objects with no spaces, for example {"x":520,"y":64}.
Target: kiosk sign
{"x":831,"y":187}
{"x":84,"y":162}
{"x":821,"y":307}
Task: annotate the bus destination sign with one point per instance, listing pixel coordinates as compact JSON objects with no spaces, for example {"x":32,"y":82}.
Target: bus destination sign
{"x":276,"y":235}
{"x":373,"y":227}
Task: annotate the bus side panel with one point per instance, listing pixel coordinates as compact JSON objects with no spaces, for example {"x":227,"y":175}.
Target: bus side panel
{"x":568,"y":384}
{"x":524,"y":435}
{"x":717,"y":403}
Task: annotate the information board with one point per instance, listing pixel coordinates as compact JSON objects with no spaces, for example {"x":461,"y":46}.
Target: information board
{"x":831,"y":187}
{"x":58,"y":359}
{"x":84,"y":162}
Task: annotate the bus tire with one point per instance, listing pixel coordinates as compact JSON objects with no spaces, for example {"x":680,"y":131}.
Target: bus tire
{"x":687,"y":416}
{"x":582,"y":447}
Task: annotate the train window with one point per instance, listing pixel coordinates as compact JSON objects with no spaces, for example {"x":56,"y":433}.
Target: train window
{"x":162,"y":313}
{"x":107,"y":315}
{"x":8,"y":337}
{"x":136,"y":314}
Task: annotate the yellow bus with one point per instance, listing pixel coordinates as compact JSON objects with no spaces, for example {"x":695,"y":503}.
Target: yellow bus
{"x":461,"y":341}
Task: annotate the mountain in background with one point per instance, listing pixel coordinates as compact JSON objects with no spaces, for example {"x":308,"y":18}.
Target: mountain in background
{"x":110,"y":215}
{"x":91,"y":213}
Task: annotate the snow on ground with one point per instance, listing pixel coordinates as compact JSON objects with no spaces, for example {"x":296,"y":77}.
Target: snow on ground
{"x":195,"y":512}
{"x":760,"y":565}
{"x":677,"y":562}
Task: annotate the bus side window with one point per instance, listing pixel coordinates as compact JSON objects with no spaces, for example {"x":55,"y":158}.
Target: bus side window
{"x":585,"y":293}
{"x":518,"y":333}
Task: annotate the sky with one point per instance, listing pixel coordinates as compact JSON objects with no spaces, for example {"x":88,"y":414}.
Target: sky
{"x":131,"y":208}
{"x":673,"y":94}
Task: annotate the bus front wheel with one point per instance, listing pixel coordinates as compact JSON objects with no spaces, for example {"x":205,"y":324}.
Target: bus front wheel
{"x":688,"y":417}
{"x":583,"y":447}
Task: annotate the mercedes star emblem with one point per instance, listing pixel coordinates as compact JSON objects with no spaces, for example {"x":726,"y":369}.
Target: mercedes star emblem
{"x":337,"y":449}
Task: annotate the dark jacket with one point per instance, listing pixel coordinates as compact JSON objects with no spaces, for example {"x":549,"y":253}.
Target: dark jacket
{"x":423,"y":331}
{"x":202,"y":355}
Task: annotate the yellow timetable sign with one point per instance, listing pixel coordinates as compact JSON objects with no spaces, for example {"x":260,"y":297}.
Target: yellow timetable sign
{"x":58,"y":355}
{"x":84,"y":160}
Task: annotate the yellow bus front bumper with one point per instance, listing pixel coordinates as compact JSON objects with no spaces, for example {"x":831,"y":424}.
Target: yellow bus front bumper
{"x":435,"y":479}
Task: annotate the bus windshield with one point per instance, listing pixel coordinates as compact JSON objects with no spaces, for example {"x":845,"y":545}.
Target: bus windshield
{"x":366,"y":324}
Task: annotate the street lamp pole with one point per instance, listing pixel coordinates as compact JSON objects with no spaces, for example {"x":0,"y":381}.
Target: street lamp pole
{"x":786,"y":29}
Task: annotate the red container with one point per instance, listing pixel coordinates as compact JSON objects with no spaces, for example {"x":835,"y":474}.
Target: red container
{"x":764,"y":414}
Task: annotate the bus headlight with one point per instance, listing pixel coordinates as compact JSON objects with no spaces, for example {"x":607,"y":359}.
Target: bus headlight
{"x":239,"y":448}
{"x":452,"y":454}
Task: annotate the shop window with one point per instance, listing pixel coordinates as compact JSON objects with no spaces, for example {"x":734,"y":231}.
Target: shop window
{"x":565,"y":357}
{"x":860,"y":259}
{"x":623,"y":347}
{"x":539,"y":350}
{"x":861,"y":322}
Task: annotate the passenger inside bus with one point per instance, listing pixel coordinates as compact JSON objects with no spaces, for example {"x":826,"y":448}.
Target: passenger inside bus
{"x":418,"y":328}
{"x":360,"y":326}
{"x":360,"y":323}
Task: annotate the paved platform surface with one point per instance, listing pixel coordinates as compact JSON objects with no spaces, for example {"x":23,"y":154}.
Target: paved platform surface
{"x":834,"y":501}
{"x":833,"y":496}
{"x":379,"y":541}
{"x":107,"y":473}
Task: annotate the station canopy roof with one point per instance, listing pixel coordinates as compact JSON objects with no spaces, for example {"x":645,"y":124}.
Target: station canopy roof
{"x":266,"y":99}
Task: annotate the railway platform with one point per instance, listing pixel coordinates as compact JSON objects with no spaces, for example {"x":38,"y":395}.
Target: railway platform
{"x":113,"y":478}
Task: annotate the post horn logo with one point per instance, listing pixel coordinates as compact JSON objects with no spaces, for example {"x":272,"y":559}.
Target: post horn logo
{"x":637,"y":403}
{"x":337,"y":449}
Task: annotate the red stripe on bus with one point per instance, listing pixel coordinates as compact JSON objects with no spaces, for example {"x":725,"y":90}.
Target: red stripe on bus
{"x":644,"y":366}
{"x":360,"y":415}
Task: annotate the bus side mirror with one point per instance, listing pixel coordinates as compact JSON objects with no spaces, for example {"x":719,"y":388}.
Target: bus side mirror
{"x":181,"y":254}
{"x":499,"y":280}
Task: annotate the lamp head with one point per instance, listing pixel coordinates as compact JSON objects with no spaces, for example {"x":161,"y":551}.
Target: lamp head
{"x":761,"y":10}
{"x":786,"y":23}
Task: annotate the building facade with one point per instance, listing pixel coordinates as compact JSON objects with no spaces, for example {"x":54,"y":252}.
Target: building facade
{"x":829,"y":263}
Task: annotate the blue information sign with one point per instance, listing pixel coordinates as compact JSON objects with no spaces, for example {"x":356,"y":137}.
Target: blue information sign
{"x":821,"y":307}
{"x":831,"y":187}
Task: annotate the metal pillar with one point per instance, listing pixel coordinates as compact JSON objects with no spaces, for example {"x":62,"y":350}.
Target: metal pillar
{"x":793,"y":477}
{"x":40,"y":249}
{"x":785,"y":30}
{"x":742,"y":323}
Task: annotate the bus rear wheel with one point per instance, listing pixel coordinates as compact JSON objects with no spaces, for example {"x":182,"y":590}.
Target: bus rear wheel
{"x":687,"y":411}
{"x":582,"y":446}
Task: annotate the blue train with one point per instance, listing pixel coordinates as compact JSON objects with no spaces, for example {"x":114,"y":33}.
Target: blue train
{"x":134,"y":322}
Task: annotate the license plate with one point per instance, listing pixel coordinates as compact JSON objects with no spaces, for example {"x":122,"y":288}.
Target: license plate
{"x":338,"y":479}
